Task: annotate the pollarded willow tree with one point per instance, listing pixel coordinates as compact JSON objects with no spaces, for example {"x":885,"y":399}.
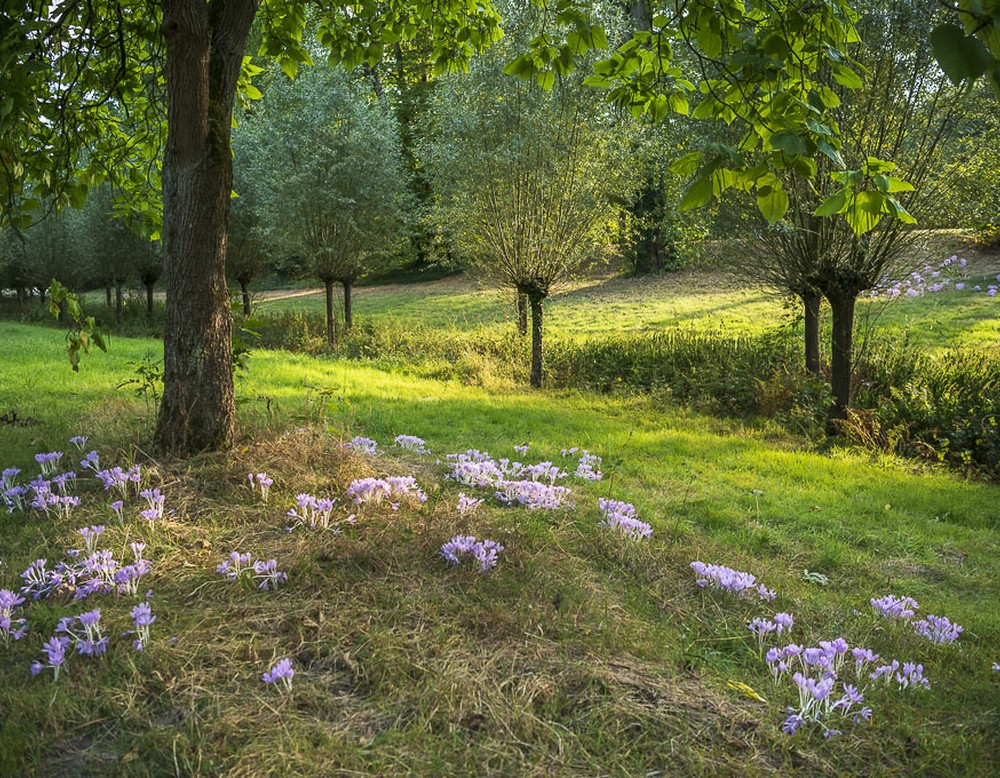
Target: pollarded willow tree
{"x":76,"y":73}
{"x":526,"y":180}
{"x":906,"y":113}
{"x":323,"y":163}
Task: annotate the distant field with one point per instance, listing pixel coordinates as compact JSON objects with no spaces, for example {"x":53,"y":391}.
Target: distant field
{"x":701,"y":301}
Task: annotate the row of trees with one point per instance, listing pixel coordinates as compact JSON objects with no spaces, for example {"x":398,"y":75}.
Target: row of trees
{"x":86,"y":84}
{"x":87,"y":248}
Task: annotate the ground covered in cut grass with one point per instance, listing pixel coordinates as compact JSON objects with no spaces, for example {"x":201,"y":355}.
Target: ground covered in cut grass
{"x":582,"y":652}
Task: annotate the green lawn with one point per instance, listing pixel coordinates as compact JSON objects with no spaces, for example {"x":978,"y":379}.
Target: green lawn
{"x":582,"y":653}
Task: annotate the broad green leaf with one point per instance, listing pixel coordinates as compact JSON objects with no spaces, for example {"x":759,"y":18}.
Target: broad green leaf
{"x":960,"y":56}
{"x":789,"y":143}
{"x":831,"y":205}
{"x":773,"y":203}
{"x":844,"y":76}
{"x":899,"y":185}
{"x":827,"y":149}
{"x":698,"y":193}
{"x":686,"y":165}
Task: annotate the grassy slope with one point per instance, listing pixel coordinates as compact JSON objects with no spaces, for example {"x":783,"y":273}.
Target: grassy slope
{"x":699,"y":301}
{"x":579,"y":655}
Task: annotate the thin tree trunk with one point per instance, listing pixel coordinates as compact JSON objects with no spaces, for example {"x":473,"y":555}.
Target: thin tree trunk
{"x":841,"y":363}
{"x":331,"y":327}
{"x":245,"y":291}
{"x":536,"y":342}
{"x":119,"y":303}
{"x":522,"y":314}
{"x":107,"y":294}
{"x":348,"y":321}
{"x":205,"y":44}
{"x":149,"y":298}
{"x":810,"y":303}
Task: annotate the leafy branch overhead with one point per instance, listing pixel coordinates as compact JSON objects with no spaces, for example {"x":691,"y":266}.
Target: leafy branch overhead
{"x":774,"y":69}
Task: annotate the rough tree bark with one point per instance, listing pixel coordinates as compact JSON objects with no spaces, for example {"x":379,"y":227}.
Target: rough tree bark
{"x":205,"y":43}
{"x":522,"y":314}
{"x":536,"y":341}
{"x":842,"y":310}
{"x":348,"y":321}
{"x":331,"y":327}
{"x":810,"y":304}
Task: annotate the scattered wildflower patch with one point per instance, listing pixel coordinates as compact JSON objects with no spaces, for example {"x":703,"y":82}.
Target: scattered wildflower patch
{"x":11,"y":627}
{"x":261,"y":482}
{"x":241,"y":567}
{"x":937,"y":629}
{"x":313,"y":512}
{"x":621,"y":516}
{"x":363,"y":445}
{"x":154,"y":505}
{"x":728,"y":580}
{"x":55,"y":655}
{"x":485,"y":553}
{"x":142,"y":619}
{"x":825,"y":696}
{"x":280,"y":675}
{"x":588,"y":467}
{"x":891,"y":607}
{"x":122,"y":481}
{"x":412,"y":443}
{"x":49,"y":462}
{"x":467,"y":505}
{"x":533,"y":495}
{"x":375,"y":491}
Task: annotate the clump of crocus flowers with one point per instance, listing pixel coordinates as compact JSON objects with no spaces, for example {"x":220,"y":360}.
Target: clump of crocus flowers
{"x":280,"y":675}
{"x":939,"y":630}
{"x":241,"y":566}
{"x":485,"y":553}
{"x":732,"y":581}
{"x":392,"y":490}
{"x":261,"y":482}
{"x":11,"y":626}
{"x":621,"y":516}
{"x":412,"y":443}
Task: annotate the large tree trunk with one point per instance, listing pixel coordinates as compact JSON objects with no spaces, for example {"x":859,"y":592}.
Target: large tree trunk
{"x":348,"y":321}
{"x":536,"y":342}
{"x":245,"y":291}
{"x":810,"y":303}
{"x":522,"y":314}
{"x":331,"y":326}
{"x":205,"y":43}
{"x":149,"y":298}
{"x":119,"y":303}
{"x":841,"y":363}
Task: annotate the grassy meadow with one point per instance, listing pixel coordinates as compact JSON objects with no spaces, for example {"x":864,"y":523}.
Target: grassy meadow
{"x":700,"y":301}
{"x":582,"y":653}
